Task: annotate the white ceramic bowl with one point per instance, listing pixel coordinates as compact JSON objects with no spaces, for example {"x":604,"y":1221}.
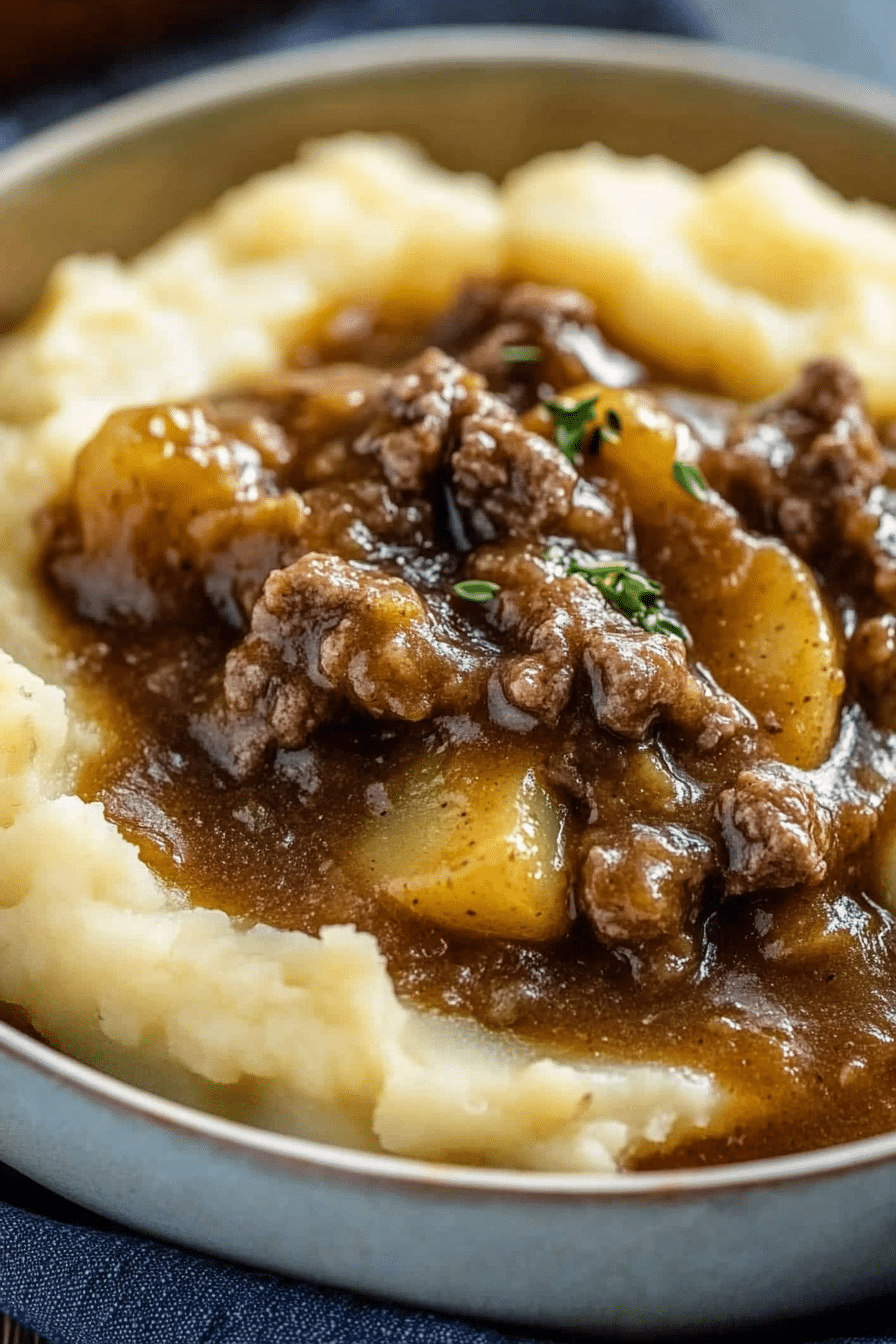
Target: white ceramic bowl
{"x":634,"y":1253}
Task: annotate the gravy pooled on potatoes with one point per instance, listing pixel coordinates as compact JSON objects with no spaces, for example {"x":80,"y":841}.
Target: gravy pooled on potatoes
{"x":573,"y":688}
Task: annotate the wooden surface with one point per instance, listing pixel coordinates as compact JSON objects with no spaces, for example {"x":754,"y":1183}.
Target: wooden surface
{"x":11,"y":1333}
{"x":61,"y":39}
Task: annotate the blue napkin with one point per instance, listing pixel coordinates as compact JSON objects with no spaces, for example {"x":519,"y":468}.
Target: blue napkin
{"x":75,"y":1277}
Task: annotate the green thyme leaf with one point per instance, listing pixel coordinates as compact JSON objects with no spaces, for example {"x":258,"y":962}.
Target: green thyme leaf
{"x":476,"y":590}
{"x":569,"y":424}
{"x":664,"y":626}
{"x":631,"y":593}
{"x":521,"y":354}
{"x":690,"y":478}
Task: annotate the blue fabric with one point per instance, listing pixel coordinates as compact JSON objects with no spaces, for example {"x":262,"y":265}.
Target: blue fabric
{"x":77,"y":1280}
{"x":74,"y":1277}
{"x":80,"y":1286}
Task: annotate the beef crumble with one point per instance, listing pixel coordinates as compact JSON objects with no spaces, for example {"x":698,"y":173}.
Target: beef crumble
{"x":283,"y":602}
{"x":809,"y":466}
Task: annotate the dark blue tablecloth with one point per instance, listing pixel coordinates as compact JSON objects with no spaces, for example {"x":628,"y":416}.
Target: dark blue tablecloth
{"x":74,"y":1277}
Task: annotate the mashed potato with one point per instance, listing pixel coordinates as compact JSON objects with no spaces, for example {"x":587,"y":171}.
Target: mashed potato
{"x":738,"y":277}
{"x":306,"y":1035}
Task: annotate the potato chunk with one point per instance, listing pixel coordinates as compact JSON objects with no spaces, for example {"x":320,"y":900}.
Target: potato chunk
{"x":474,"y":844}
{"x":157,"y":495}
{"x":772,"y":645}
{"x":165,"y":462}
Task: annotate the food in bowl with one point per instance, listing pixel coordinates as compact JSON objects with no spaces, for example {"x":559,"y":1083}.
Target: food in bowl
{"x":440,"y":715}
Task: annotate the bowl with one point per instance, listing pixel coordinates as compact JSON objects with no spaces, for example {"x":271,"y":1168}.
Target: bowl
{"x":628,"y":1254}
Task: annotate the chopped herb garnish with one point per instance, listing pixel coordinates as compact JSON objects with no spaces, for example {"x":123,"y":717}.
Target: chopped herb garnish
{"x":632,"y":593}
{"x":690,"y":478}
{"x":476,"y":590}
{"x":570,"y":422}
{"x":521,"y":354}
{"x":663,"y":625}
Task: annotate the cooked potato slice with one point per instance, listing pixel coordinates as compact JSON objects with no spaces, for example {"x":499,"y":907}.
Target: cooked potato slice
{"x":156,"y":468}
{"x":771,"y":643}
{"x":473,"y":844}
{"x":156,"y":493}
{"x":643,"y":455}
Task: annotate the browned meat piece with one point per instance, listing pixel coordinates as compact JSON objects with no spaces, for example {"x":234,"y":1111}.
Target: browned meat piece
{"x":358,"y":520}
{"x":809,"y":467}
{"x":639,"y":678}
{"x":872,"y":661}
{"x":544,"y":307}
{"x":509,"y":482}
{"x":563,"y":627}
{"x":470,"y":316}
{"x":777,"y":829}
{"x":539,"y":681}
{"x":250,"y":418}
{"x":489,"y":317}
{"x":553,"y":320}
{"x":327,"y":633}
{"x":421,"y":407}
{"x":644,"y":887}
{"x":373,"y":333}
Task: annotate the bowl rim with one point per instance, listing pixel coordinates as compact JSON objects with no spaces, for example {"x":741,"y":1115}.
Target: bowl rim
{"x":393,"y":51}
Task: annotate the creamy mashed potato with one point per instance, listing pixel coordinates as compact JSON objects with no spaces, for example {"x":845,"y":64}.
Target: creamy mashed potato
{"x":739,"y":276}
{"x":306,"y":1035}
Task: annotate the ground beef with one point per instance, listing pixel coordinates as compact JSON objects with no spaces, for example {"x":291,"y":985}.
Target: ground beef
{"x":237,"y":548}
{"x":808,"y":466}
{"x":314,"y":538}
{"x":777,"y":829}
{"x":644,"y":888}
{"x":421,"y":407}
{"x":640,"y":680}
{"x":509,"y":482}
{"x":564,"y":629}
{"x":327,"y":633}
{"x":320,"y":412}
{"x":488,"y":318}
{"x":363,"y":520}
